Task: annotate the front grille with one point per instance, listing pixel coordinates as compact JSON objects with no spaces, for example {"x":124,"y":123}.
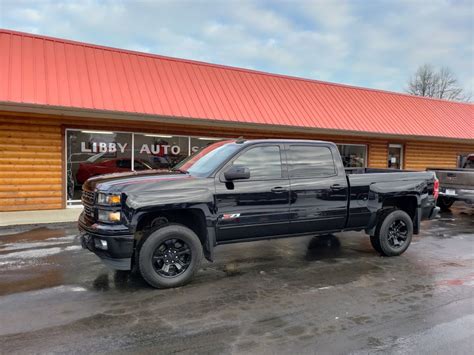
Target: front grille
{"x":88,"y":200}
{"x":89,"y":211}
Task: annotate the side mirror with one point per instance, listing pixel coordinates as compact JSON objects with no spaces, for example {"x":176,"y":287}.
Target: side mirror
{"x":237,"y":172}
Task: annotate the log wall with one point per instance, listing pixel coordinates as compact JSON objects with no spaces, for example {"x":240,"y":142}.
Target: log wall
{"x":30,"y":165}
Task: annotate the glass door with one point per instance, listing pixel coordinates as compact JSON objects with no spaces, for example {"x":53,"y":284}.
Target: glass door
{"x":395,"y":156}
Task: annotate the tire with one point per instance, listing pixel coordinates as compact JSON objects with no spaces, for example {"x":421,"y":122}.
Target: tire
{"x":393,"y":233}
{"x":374,"y":239}
{"x":164,"y":251}
{"x":444,"y":203}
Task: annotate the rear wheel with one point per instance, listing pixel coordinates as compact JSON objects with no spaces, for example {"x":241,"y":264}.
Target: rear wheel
{"x":444,"y":203}
{"x":374,"y":240}
{"x":393,"y":233}
{"x":170,"y":256}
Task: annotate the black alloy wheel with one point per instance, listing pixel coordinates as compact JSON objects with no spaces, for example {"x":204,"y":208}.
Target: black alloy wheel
{"x":393,"y":233}
{"x":397,"y":234}
{"x":172,"y":258}
{"x":169,"y":256}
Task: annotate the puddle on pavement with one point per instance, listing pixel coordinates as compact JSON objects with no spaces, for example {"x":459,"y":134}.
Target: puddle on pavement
{"x":34,"y":247}
{"x":119,"y":280}
{"x":48,"y":257}
{"x":232,"y":269}
{"x":36,"y":258}
{"x":325,"y":247}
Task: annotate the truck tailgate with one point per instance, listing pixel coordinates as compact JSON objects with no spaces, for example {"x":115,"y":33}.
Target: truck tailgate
{"x":461,"y":178}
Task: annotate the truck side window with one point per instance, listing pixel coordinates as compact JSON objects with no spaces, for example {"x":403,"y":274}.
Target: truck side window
{"x":308,"y":161}
{"x":264,"y":162}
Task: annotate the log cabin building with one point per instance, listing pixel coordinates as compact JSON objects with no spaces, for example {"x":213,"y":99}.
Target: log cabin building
{"x":71,"y":110}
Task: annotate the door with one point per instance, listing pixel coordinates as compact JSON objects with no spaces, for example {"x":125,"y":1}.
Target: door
{"x":319,"y":189}
{"x":395,"y":156}
{"x":258,"y":206}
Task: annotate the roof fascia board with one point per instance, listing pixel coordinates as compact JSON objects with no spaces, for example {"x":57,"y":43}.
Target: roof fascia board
{"x":257,"y":127}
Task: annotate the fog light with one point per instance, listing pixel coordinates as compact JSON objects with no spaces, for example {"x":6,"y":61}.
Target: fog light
{"x":100,"y":244}
{"x":114,"y":216}
{"x":108,"y":216}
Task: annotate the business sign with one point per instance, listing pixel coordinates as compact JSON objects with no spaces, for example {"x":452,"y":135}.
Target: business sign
{"x":160,"y":149}
{"x":103,"y":147}
{"x":114,"y":147}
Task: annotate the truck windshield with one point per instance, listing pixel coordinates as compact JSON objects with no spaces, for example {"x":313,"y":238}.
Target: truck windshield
{"x":208,"y":159}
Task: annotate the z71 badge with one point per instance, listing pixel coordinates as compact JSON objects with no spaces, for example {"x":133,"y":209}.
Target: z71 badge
{"x":230,"y":216}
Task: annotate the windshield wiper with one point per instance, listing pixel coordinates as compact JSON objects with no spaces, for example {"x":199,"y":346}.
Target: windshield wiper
{"x":180,"y":170}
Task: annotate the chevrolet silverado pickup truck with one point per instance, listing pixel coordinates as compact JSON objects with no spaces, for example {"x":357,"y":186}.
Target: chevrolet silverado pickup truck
{"x":163,"y":223}
{"x":456,"y":184}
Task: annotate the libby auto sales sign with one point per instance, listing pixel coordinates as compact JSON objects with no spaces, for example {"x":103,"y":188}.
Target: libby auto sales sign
{"x":112,"y":147}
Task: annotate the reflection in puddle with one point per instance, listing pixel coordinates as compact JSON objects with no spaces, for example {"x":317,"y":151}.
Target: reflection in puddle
{"x":101,"y":283}
{"x":323,"y":247}
{"x":232,"y":269}
{"x":122,"y":280}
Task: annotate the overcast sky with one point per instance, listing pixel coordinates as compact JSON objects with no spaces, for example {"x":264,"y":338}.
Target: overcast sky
{"x":367,"y":43}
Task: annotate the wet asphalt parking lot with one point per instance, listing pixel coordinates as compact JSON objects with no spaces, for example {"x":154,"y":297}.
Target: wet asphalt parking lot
{"x":330,"y":294}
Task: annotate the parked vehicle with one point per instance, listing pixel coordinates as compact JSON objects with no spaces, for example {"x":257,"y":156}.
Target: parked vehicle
{"x":456,"y":184}
{"x":88,"y":169}
{"x":245,"y":190}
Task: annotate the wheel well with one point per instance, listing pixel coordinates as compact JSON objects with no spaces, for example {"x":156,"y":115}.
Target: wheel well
{"x":194,"y":219}
{"x":404,"y":203}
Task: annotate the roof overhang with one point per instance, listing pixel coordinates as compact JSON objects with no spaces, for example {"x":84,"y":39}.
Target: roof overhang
{"x":71,"y":112}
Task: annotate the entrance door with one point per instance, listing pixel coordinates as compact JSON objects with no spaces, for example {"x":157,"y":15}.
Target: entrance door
{"x":256,"y":207}
{"x":395,"y":156}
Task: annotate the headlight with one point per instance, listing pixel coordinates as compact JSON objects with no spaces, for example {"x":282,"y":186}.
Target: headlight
{"x":108,"y":216}
{"x":106,"y":199}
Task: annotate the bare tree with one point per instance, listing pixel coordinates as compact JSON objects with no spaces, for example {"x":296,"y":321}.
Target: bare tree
{"x":440,"y":84}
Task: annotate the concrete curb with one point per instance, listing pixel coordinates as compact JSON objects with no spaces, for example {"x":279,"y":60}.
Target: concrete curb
{"x":39,"y":217}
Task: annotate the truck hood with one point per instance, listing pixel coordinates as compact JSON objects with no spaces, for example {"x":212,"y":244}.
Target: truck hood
{"x":155,"y":188}
{"x":122,"y":182}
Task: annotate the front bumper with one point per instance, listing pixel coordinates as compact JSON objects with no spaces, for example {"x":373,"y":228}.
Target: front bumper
{"x":114,"y":250}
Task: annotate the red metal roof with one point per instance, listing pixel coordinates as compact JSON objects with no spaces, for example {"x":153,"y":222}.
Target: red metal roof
{"x":49,"y":71}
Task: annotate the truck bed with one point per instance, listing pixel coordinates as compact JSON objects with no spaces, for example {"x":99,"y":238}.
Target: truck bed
{"x":368,"y":186}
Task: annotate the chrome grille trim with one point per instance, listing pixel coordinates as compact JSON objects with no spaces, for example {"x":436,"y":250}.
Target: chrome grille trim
{"x":88,"y":197}
{"x":88,"y":200}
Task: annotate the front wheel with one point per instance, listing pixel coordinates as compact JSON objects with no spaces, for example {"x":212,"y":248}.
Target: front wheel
{"x":393,"y":233}
{"x":170,"y":256}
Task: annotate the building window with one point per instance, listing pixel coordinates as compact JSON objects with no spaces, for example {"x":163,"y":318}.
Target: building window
{"x":159,"y":151}
{"x":353,"y":155}
{"x":198,"y":143}
{"x":395,"y":156}
{"x":465,"y":161}
{"x":91,"y":153}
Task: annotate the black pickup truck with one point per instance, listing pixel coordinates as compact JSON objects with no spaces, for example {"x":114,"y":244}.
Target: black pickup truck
{"x":162,"y":223}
